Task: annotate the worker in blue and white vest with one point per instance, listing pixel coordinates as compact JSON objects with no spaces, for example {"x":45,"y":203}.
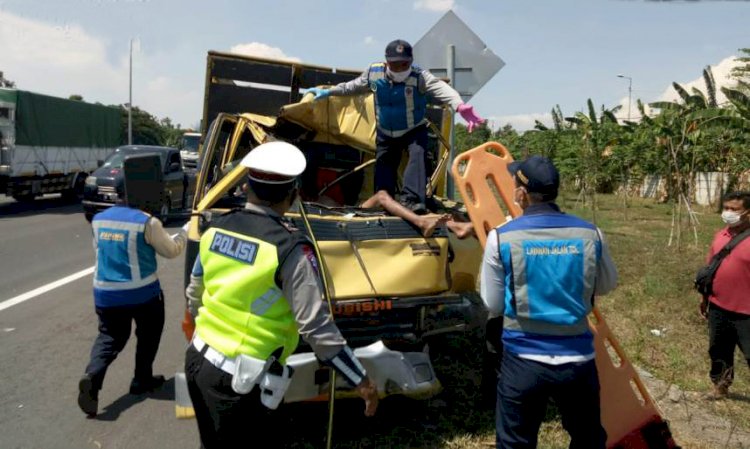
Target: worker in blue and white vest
{"x":127,"y":290}
{"x":540,"y":273}
{"x":402,"y":91}
{"x":254,"y":290}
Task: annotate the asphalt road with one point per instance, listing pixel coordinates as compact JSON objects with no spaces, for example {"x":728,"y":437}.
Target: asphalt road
{"x":45,"y":342}
{"x":46,"y":338}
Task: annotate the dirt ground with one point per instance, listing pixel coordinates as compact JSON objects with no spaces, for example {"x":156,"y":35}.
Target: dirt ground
{"x":691,"y":419}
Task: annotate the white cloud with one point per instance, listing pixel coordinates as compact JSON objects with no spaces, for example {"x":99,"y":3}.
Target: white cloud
{"x":262,"y":50}
{"x":59,"y":60}
{"x":62,"y":60}
{"x":369,"y":40}
{"x":521,"y":122}
{"x":635,"y":114}
{"x":434,"y":5}
{"x":721,"y":78}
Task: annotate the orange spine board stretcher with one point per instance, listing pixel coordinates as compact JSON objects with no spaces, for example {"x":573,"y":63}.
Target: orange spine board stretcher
{"x":629,"y":414}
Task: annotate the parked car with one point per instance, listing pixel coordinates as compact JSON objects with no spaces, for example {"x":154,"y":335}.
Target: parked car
{"x":179,"y":185}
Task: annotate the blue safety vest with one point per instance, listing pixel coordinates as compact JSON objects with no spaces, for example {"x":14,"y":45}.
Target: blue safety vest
{"x":550,"y":263}
{"x":400,"y":107}
{"x":125,"y":264}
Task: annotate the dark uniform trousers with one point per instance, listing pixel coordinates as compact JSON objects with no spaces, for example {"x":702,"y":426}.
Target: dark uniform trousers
{"x":387,"y":159}
{"x":726,"y":330}
{"x":227,"y":419}
{"x":114,"y":332}
{"x":523,"y":389}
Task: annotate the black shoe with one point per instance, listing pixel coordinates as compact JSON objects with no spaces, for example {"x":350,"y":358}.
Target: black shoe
{"x":419,"y":208}
{"x":88,"y":397}
{"x":147,"y":385}
{"x":414,"y":206}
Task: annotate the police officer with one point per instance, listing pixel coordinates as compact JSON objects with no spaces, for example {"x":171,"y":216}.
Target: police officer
{"x":540,"y":272}
{"x":401,"y":91}
{"x":126,"y":289}
{"x":255,"y":288}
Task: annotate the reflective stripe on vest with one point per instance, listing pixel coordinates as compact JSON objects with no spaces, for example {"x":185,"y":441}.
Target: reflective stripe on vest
{"x":399,"y":107}
{"x":550,"y":273}
{"x":124,"y":261}
{"x":244,"y":311}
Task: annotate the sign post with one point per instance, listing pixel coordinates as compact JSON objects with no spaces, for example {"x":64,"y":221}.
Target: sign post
{"x":451,"y":49}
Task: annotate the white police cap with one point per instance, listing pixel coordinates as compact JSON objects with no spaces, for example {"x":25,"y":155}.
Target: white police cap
{"x":274,"y":163}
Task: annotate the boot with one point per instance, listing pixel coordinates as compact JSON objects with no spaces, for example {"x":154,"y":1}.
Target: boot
{"x":141,"y":386}
{"x":88,"y":396}
{"x":720,"y":391}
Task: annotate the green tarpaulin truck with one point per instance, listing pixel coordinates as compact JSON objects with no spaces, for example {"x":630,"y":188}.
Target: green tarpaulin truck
{"x":50,"y":144}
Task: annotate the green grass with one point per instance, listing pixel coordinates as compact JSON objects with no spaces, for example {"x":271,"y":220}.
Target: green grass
{"x":654,"y":292}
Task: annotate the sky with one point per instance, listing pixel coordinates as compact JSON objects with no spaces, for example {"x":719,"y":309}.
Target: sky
{"x":557,"y":52}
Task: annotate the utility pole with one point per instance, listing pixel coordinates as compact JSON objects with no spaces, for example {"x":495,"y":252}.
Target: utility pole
{"x":451,"y":66}
{"x":130,"y":96}
{"x":630,"y":91}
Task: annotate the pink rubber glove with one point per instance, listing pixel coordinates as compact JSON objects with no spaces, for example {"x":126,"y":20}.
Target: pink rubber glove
{"x":468,"y":114}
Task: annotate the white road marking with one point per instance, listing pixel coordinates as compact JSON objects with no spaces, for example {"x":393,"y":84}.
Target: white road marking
{"x":44,"y":289}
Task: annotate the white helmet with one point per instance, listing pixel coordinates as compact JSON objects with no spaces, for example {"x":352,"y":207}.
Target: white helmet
{"x":274,"y":163}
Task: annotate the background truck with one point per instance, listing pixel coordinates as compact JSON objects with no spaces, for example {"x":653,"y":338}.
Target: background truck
{"x":50,"y":145}
{"x":189,"y":146}
{"x":179,"y":184}
{"x":400,"y":299}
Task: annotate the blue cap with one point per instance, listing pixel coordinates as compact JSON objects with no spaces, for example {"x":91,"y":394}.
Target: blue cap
{"x":398,"y":50}
{"x":537,"y":174}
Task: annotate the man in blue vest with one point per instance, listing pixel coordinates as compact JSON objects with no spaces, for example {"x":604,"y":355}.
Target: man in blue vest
{"x":126,"y":289}
{"x":540,"y":273}
{"x":401,"y":91}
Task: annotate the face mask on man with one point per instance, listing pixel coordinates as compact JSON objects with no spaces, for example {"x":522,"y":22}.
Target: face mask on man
{"x":731,"y":217}
{"x":398,"y":77}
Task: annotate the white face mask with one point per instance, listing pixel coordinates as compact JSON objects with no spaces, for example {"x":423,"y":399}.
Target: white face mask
{"x":731,"y":217}
{"x":398,"y":77}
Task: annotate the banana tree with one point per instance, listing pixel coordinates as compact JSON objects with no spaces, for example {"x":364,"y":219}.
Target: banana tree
{"x":555,"y":134}
{"x":595,"y":133}
{"x":680,"y":141}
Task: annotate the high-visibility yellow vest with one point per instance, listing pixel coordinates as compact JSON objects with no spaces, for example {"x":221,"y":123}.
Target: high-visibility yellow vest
{"x":244,"y":309}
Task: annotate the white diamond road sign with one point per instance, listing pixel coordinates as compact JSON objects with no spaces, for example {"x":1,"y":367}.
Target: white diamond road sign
{"x":475,"y":64}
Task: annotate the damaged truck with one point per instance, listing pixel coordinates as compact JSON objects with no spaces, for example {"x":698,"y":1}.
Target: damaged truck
{"x":400,"y":299}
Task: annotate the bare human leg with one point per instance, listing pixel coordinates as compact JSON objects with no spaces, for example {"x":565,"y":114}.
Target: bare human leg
{"x":462,"y":229}
{"x":425,"y":223}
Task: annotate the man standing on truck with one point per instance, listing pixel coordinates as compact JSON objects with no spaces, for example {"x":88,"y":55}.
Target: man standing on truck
{"x":126,"y":289}
{"x":253,"y":291}
{"x":541,"y":272}
{"x":401,"y":91}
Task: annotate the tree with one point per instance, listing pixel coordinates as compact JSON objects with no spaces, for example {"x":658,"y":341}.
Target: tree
{"x":680,"y":139}
{"x":466,"y":141}
{"x":741,"y":73}
{"x":172,"y":134}
{"x":595,"y":133}
{"x":146,"y":129}
{"x":76,"y":97}
{"x":6,"y":82}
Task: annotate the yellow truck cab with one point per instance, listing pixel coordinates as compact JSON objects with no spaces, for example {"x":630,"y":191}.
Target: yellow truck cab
{"x":397,"y":297}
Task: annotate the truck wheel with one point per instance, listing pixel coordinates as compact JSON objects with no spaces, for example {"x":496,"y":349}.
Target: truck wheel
{"x":75,"y":194}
